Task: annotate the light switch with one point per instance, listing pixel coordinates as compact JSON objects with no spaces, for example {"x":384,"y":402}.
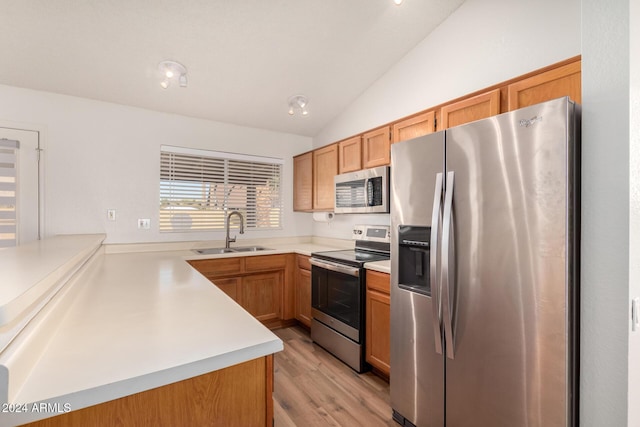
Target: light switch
{"x":111,"y":214}
{"x":144,"y":223}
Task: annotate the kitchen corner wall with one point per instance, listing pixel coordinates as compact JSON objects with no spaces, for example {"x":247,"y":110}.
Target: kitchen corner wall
{"x":482,"y":43}
{"x":101,"y":156}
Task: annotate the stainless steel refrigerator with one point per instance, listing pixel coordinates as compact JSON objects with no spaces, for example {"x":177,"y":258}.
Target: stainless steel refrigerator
{"x":484,"y":272}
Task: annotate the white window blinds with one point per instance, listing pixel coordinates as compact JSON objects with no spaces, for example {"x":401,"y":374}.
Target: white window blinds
{"x":8,"y":192}
{"x":198,"y":188}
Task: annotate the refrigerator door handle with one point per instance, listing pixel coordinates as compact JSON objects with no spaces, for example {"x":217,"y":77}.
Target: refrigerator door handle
{"x":433,"y":263}
{"x":448,"y":266}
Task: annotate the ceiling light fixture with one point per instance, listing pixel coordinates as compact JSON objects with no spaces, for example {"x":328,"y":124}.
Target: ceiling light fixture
{"x":298,"y":103}
{"x":397,"y":2}
{"x":172,"y":71}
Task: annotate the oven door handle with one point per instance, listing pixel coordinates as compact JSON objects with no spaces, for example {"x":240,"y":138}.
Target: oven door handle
{"x":351,"y":271}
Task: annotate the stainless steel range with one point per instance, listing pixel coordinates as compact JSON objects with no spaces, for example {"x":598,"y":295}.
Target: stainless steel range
{"x":338,"y":294}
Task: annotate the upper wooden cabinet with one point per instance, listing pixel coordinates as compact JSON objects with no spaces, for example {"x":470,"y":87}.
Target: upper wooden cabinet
{"x":303,"y":182}
{"x":325,"y":167}
{"x":468,"y":110}
{"x":350,"y":154}
{"x":414,"y":127}
{"x":555,"y":83}
{"x":376,"y":148}
{"x":314,"y":171}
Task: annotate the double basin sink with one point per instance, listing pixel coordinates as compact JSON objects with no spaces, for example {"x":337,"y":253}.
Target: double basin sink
{"x":213,"y":251}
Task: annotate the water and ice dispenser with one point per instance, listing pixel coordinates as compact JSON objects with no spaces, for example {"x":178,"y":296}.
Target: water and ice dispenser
{"x":413,"y":259}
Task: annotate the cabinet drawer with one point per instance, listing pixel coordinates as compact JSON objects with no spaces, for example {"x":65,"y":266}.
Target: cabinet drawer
{"x":265,"y":262}
{"x":218,"y":267}
{"x":378,"y":281}
{"x":303,"y":262}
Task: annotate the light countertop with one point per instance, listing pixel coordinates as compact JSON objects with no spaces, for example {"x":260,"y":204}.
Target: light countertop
{"x":381,"y":266}
{"x":129,"y":322}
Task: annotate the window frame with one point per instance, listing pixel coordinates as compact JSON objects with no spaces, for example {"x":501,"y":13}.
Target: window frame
{"x":239,"y":175}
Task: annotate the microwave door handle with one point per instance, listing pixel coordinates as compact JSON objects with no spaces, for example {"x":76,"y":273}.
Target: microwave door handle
{"x":367,"y":183}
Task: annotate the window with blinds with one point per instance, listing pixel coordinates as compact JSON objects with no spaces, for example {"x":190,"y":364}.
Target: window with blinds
{"x":8,"y":192}
{"x":198,"y":188}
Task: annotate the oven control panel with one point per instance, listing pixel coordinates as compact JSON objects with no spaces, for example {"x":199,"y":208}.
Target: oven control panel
{"x":372,"y":233}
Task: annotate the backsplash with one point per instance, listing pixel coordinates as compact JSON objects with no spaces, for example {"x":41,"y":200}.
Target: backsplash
{"x":341,"y":226}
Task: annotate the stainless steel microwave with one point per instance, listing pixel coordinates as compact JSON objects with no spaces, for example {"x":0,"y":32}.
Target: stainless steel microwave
{"x":364,"y":191}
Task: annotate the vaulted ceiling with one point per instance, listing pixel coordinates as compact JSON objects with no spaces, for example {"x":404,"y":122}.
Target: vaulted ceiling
{"x":244,"y":58}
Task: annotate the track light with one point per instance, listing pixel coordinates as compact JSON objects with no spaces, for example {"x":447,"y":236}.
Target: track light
{"x":298,"y":103}
{"x":172,"y":71}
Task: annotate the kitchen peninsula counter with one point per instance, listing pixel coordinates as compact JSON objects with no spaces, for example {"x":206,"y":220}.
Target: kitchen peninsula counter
{"x":128,"y":319}
{"x":124,"y":323}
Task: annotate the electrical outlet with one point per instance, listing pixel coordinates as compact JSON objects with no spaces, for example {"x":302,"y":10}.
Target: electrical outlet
{"x":144,"y":223}
{"x":111,"y":214}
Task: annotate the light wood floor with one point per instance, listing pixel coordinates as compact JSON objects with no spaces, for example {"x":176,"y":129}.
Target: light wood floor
{"x":313,"y":388}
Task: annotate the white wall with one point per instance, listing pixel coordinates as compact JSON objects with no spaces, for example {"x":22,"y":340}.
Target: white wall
{"x":605,"y":214}
{"x":101,"y":156}
{"x":482,"y":43}
{"x":634,"y":201}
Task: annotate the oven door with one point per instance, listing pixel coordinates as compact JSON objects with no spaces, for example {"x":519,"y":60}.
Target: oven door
{"x":337,"y":297}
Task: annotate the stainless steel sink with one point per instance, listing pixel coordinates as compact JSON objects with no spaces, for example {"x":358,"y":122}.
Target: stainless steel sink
{"x":213,"y":251}
{"x":250,"y":248}
{"x":216,"y":251}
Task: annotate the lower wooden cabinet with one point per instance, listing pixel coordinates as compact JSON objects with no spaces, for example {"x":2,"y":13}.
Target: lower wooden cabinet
{"x":262,"y":285}
{"x":303,"y":291}
{"x":230,"y":287}
{"x":260,"y":295}
{"x":378,"y":321}
{"x":240,"y":395}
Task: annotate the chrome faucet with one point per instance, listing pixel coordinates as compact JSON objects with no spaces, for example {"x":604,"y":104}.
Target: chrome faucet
{"x":229,"y":240}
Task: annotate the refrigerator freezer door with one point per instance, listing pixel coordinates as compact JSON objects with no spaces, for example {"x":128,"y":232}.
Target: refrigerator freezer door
{"x":417,"y":370}
{"x":512,"y":221}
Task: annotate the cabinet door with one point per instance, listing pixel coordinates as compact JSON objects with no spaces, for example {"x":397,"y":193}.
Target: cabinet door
{"x":552,"y":84}
{"x":260,"y":295}
{"x":414,"y":127}
{"x":350,"y":154}
{"x":325,"y":167}
{"x":229,"y":286}
{"x":468,"y":110}
{"x":303,"y":182}
{"x":303,"y":296}
{"x":378,"y":332}
{"x":376,"y":148}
